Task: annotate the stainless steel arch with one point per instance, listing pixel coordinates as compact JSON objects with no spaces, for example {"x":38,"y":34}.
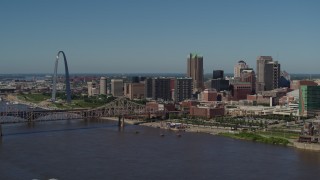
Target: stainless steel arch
{"x":54,"y":88}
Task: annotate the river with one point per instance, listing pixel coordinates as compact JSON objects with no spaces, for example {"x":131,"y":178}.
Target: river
{"x":79,"y":149}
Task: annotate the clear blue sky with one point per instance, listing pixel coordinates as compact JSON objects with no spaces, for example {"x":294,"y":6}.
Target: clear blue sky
{"x":157,"y":35}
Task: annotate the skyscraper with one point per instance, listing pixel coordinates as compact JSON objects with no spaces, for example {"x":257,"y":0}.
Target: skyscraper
{"x":272,"y":75}
{"x":237,"y":68}
{"x":195,"y":71}
{"x":217,"y":74}
{"x":268,"y":73}
{"x":103,"y":85}
{"x":148,"y":87}
{"x":218,"y":82}
{"x":117,"y":87}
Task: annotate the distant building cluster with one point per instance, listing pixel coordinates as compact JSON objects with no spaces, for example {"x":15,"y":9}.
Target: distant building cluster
{"x":266,"y":86}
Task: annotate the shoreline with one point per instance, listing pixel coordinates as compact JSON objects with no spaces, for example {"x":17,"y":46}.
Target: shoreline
{"x":213,"y":131}
{"x":162,"y":125}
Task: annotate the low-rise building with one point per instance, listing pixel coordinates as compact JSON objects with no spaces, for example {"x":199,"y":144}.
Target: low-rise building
{"x":206,"y":112}
{"x":208,"y":95}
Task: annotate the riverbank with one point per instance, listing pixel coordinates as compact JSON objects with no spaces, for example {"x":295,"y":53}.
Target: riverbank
{"x":226,"y":132}
{"x":162,"y":124}
{"x":307,"y":146}
{"x":258,"y":138}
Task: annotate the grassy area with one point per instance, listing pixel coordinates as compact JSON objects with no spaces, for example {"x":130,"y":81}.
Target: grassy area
{"x":78,"y":103}
{"x":34,"y":98}
{"x":287,"y":135}
{"x":257,"y":138}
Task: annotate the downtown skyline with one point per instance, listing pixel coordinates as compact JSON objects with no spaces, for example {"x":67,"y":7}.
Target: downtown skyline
{"x":157,"y":36}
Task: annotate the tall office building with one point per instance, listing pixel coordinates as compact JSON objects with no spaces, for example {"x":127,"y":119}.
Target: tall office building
{"x":182,"y":89}
{"x":219,"y":84}
{"x":217,"y":74}
{"x":237,"y":68}
{"x":158,"y":88}
{"x":272,"y":75}
{"x":309,"y":104}
{"x":268,"y":74}
{"x":117,"y":87}
{"x":195,"y":71}
{"x":148,"y":87}
{"x":103,"y":85}
{"x":161,"y":89}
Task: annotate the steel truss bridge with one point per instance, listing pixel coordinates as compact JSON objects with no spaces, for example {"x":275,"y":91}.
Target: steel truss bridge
{"x":121,"y":108}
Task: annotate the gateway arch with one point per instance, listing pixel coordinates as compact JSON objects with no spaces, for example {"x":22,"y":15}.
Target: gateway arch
{"x":54,"y":88}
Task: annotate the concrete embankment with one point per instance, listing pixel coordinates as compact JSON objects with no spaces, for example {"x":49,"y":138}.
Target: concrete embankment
{"x":307,"y":146}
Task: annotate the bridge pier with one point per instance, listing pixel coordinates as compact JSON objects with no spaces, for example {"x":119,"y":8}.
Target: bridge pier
{"x":121,"y":121}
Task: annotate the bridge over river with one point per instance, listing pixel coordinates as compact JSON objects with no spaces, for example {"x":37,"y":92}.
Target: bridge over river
{"x":120,"y":107}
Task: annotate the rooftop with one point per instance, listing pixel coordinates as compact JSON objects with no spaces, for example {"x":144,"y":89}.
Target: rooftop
{"x":194,"y":55}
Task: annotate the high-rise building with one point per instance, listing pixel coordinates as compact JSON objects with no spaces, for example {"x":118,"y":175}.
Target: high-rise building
{"x":217,"y":74}
{"x":268,"y":74}
{"x":117,"y":87}
{"x":220,"y":84}
{"x":90,"y":85}
{"x":237,"y":68}
{"x":182,"y":89}
{"x":148,"y":87}
{"x":135,"y":79}
{"x":195,"y":71}
{"x":309,"y":104}
{"x":103,"y":85}
{"x":272,"y":75}
{"x":248,"y":75}
{"x":134,"y":90}
{"x":161,"y":89}
{"x":158,"y":88}
{"x":92,"y":88}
